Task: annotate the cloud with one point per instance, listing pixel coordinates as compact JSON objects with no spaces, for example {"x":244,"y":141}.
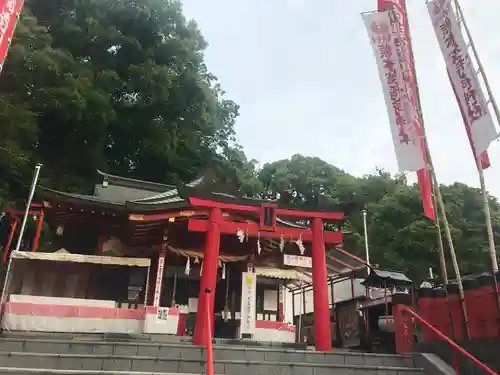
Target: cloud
{"x":307,"y":81}
{"x":296,"y":3}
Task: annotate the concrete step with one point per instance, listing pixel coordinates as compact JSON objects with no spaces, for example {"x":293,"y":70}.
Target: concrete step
{"x":32,"y":371}
{"x":155,"y":338}
{"x":188,"y":351}
{"x":147,"y":364}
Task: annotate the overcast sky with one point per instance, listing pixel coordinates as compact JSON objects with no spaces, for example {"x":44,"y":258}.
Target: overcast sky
{"x":304,"y":74}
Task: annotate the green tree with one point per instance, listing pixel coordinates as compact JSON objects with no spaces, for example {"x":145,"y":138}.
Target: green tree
{"x":400,"y":236}
{"x":305,"y":182}
{"x":115,"y":85}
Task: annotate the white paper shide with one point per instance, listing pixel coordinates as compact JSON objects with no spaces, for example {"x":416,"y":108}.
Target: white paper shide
{"x":391,"y":54}
{"x":463,"y":77}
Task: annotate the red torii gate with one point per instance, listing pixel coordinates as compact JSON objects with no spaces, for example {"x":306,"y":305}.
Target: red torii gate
{"x":216,"y":225}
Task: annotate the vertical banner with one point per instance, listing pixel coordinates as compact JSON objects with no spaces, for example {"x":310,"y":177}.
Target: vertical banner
{"x":248,"y":304}
{"x":402,"y":113}
{"x":9,"y":13}
{"x":463,"y":78}
{"x":401,"y":31}
{"x":159,"y":280}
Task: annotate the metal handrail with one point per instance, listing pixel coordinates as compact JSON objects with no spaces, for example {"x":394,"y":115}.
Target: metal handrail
{"x":208,"y":317}
{"x":454,"y":345}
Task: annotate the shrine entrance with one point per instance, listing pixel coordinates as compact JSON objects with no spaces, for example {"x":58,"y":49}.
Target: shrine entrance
{"x":195,"y":238}
{"x":267,"y":227}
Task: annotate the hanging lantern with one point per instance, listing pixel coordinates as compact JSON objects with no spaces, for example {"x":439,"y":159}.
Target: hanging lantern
{"x":300,"y":245}
{"x":201,"y":268}
{"x":196,"y":260}
{"x":240,"y":234}
{"x":282,"y":242}
{"x":187,"y":270}
{"x":223,"y":271}
{"x":258,"y":244}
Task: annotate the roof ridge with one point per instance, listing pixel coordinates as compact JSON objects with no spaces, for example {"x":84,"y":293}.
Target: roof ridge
{"x":116,"y":178}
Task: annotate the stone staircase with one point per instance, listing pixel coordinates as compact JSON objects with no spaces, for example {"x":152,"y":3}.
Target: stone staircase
{"x":97,"y":354}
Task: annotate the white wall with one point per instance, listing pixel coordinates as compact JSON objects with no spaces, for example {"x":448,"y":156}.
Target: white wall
{"x":342,"y":292}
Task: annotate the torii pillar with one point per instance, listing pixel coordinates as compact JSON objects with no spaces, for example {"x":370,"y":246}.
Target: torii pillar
{"x":322,"y":331}
{"x":208,"y":279}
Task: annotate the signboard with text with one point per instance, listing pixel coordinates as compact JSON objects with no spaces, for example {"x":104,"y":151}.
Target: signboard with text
{"x":248,"y":304}
{"x":297,"y":261}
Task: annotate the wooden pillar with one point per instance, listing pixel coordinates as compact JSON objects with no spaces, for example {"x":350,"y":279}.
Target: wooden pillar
{"x":39,"y":228}
{"x":6,"y":249}
{"x":322,"y":331}
{"x":208,"y":277}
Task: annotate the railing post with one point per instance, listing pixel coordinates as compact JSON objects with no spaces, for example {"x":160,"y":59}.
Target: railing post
{"x":208,"y":319}
{"x":403,"y":323}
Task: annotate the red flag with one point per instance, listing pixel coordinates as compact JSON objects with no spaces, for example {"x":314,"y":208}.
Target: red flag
{"x":9,"y":13}
{"x":424,"y":180}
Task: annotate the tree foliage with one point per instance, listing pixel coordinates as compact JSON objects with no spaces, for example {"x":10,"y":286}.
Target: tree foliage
{"x":122,"y":86}
{"x":113,"y":85}
{"x":400,"y":236}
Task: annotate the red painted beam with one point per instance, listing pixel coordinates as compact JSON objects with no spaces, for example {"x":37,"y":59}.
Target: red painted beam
{"x":32,"y":204}
{"x":346,"y":253}
{"x":253,"y":229}
{"x":310,"y":214}
{"x":166,"y":215}
{"x":346,"y":265}
{"x":30,"y":213}
{"x":197,"y":202}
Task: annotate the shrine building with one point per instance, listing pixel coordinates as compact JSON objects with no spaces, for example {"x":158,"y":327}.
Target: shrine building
{"x":135,"y":256}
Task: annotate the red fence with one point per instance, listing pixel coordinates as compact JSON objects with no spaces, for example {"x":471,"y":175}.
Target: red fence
{"x":445,"y":313}
{"x":406,"y":319}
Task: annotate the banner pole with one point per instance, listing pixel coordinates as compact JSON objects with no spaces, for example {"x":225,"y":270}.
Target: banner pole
{"x":365,"y":231}
{"x":480,"y":170}
{"x":440,"y":208}
{"x":487,"y":215}
{"x":439,"y":238}
{"x":28,"y":205}
{"x":489,"y":230}
{"x":478,"y":61}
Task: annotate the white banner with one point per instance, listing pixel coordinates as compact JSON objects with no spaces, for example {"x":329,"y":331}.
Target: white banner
{"x":248,"y":304}
{"x":463,"y":76}
{"x":297,"y":261}
{"x":391,"y":54}
{"x":159,"y":280}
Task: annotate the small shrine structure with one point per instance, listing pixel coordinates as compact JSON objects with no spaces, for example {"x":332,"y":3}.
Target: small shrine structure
{"x":184,"y":239}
